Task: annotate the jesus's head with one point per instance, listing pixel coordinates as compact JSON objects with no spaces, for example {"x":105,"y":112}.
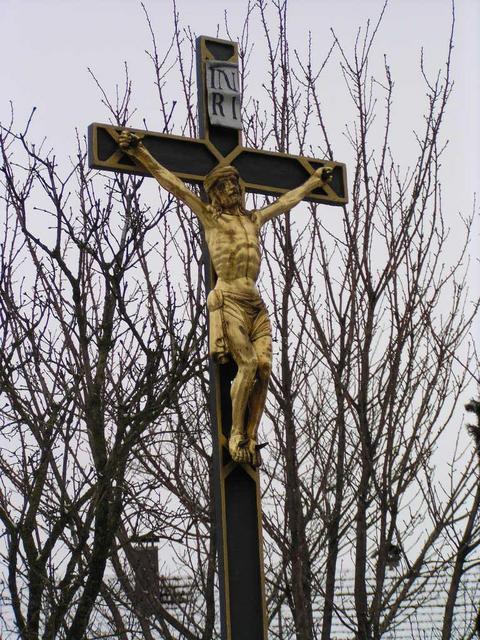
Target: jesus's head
{"x":223,"y":188}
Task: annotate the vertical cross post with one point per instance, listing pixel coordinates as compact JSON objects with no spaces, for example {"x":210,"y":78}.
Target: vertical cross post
{"x":237,"y":487}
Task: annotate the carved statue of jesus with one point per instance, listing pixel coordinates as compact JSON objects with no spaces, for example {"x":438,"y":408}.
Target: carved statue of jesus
{"x":239,"y":323}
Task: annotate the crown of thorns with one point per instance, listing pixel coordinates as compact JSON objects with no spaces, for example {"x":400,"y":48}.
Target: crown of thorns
{"x":217,"y":173}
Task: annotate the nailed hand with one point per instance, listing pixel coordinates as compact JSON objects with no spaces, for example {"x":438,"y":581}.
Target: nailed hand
{"x":128,"y":140}
{"x":324,"y":173}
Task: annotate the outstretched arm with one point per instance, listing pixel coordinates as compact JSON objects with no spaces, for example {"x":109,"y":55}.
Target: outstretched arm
{"x":131,"y":144}
{"x":322,"y":176}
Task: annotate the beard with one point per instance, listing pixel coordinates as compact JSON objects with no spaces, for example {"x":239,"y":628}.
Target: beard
{"x":231,"y":200}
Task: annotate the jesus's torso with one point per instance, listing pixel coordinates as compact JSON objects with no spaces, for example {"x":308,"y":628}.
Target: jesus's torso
{"x":233,"y":243}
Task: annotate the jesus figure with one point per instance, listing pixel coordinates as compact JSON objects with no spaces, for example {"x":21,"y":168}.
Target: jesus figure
{"x":239,"y":323}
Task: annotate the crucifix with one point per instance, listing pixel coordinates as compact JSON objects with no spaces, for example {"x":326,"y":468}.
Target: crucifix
{"x":239,"y":328}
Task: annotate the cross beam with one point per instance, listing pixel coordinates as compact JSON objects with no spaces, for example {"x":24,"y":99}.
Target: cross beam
{"x":243,"y":611}
{"x":266,"y":172}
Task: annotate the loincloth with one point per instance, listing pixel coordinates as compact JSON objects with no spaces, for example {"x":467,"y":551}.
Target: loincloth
{"x":227,"y":308}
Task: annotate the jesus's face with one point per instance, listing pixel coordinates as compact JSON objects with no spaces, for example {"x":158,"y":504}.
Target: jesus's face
{"x":227,"y":193}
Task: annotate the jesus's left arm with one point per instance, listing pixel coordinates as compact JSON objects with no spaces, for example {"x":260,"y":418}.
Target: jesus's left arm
{"x":322,"y":176}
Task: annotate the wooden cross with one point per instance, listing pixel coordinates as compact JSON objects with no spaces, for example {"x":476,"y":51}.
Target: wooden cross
{"x":237,"y":486}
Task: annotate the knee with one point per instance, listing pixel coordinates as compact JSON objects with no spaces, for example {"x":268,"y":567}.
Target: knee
{"x":264,"y":369}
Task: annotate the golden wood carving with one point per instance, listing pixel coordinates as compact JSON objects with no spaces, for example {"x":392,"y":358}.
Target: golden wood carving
{"x":239,"y":323}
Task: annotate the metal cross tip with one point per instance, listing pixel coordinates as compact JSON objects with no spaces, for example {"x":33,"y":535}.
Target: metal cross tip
{"x":257,"y":458}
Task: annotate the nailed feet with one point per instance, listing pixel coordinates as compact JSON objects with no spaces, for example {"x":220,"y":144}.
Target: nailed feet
{"x":244,"y":450}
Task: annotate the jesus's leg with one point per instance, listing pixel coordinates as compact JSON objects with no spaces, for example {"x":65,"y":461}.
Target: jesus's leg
{"x":247,"y":362}
{"x":258,"y":394}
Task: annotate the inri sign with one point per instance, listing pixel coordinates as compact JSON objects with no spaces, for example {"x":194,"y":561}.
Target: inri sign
{"x":223,"y":91}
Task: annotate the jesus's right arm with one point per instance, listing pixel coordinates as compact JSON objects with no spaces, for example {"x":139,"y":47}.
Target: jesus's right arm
{"x":132,"y":145}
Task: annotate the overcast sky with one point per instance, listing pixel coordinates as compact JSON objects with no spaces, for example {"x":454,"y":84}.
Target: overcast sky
{"x":47,"y":45}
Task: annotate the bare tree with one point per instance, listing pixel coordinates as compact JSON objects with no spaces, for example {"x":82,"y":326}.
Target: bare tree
{"x":97,"y":344}
{"x":370,"y":324}
{"x":467,"y":542}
